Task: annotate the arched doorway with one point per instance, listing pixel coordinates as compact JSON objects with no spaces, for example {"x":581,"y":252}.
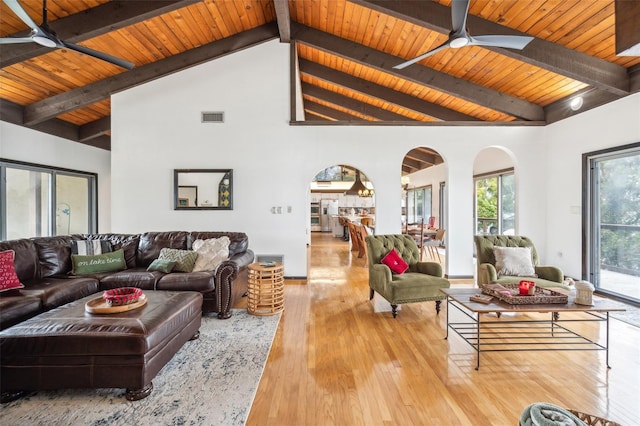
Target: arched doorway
{"x":340,"y":191}
{"x":424,"y":199}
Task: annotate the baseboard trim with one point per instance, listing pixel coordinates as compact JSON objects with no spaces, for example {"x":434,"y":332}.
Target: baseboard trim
{"x":295,"y":280}
{"x":458,"y":277}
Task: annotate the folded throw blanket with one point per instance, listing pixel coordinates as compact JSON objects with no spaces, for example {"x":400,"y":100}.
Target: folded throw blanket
{"x":545,"y":414}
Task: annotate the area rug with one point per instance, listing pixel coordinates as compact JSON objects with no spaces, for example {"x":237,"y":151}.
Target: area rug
{"x":631,"y":315}
{"x":210,"y":381}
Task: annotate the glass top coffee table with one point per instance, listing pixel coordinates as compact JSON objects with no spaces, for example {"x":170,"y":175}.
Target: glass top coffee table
{"x":526,"y":333}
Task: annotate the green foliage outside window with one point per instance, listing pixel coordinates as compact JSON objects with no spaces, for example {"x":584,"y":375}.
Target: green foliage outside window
{"x":619,"y":190}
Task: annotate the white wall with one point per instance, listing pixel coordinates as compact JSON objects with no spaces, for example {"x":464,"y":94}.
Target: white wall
{"x":22,"y":144}
{"x":156,"y":128}
{"x":609,"y":126}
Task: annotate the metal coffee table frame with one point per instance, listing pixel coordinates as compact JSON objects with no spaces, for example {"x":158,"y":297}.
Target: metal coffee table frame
{"x":502,"y":335}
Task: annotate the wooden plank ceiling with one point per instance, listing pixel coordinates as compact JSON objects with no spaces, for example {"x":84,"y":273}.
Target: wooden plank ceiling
{"x":345,"y":50}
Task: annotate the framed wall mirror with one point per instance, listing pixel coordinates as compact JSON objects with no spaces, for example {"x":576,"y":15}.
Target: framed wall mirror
{"x":203,"y":189}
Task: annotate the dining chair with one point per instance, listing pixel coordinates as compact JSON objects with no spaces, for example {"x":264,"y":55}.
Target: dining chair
{"x":416,"y":231}
{"x":361,"y":235}
{"x":432,"y":244}
{"x":355,"y":245}
{"x":431,"y":223}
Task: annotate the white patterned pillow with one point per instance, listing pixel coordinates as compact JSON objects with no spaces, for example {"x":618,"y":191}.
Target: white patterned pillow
{"x":514,"y":261}
{"x":211,"y":253}
{"x":90,"y":247}
{"x":185,"y":259}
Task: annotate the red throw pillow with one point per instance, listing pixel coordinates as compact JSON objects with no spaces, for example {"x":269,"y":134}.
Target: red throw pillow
{"x":8,"y":278}
{"x":395,"y":262}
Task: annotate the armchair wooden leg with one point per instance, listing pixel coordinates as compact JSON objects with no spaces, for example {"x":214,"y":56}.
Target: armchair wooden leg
{"x":370,"y":293}
{"x":394,"y":310}
{"x":438,"y":303}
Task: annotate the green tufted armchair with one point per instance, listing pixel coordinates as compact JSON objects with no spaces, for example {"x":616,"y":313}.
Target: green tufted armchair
{"x":421,"y":282}
{"x":548,"y":276}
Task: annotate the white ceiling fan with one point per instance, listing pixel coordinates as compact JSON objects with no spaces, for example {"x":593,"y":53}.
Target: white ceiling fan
{"x":459,"y":37}
{"x":44,"y":36}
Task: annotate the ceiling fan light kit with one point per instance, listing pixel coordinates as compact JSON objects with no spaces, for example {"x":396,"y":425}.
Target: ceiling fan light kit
{"x":43,"y":41}
{"x":458,"y":42}
{"x":42,"y":35}
{"x":459,"y":37}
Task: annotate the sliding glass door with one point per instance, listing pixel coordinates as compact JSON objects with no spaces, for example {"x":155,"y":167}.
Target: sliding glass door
{"x":42,"y":201}
{"x":613,"y":225}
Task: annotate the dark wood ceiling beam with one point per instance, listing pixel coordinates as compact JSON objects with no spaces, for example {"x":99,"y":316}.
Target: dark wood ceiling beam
{"x":634,"y":77}
{"x":423,"y":157}
{"x":312,"y":116}
{"x":94,"y":129}
{"x":284,"y":19}
{"x":413,"y":164}
{"x":92,"y":93}
{"x":352,"y":104}
{"x":421,"y":75}
{"x":13,"y":113}
{"x":591,"y":98}
{"x":627,"y":15}
{"x":551,"y":56}
{"x":90,"y":23}
{"x":381,"y":92}
{"x":322,"y":110}
{"x":408,"y":170}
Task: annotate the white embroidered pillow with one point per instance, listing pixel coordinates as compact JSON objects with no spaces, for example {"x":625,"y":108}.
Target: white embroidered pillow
{"x":514,"y":261}
{"x":211,"y":253}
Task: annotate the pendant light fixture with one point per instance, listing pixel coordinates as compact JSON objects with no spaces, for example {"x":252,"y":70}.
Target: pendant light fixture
{"x":358,"y":188}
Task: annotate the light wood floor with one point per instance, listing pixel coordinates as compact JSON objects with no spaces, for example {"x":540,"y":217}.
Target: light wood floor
{"x":335,"y":361}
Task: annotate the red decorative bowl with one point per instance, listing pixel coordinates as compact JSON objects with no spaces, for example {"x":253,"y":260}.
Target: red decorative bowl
{"x":122,"y":296}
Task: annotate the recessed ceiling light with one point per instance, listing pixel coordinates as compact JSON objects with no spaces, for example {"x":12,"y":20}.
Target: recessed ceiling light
{"x":576,"y":103}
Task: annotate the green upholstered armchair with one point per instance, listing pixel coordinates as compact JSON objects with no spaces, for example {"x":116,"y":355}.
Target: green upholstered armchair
{"x":547,"y":276}
{"x":421,"y":282}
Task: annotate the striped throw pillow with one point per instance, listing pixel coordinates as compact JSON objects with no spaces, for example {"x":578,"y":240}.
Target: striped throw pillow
{"x":90,"y":247}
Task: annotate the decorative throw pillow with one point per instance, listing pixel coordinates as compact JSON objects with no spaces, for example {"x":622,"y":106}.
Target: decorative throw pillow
{"x":90,"y":247}
{"x":8,"y":278}
{"x":106,"y":262}
{"x":162,"y":265}
{"x":395,"y":262}
{"x":211,"y":253}
{"x":514,"y":261}
{"x":185,"y":259}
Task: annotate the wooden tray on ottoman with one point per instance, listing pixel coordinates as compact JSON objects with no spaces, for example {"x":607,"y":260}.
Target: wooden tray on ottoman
{"x":510,"y":293}
{"x":100,"y":306}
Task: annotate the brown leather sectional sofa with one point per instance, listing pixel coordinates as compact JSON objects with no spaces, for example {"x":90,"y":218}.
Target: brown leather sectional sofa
{"x":43,"y":265}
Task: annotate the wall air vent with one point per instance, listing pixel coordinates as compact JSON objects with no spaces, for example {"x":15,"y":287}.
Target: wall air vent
{"x":213,"y":117}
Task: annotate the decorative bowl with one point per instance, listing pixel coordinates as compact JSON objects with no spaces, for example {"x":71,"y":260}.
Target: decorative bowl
{"x":122,"y":296}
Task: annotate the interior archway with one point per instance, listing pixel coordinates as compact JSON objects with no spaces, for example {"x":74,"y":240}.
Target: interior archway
{"x":340,"y":191}
{"x":424,"y":201}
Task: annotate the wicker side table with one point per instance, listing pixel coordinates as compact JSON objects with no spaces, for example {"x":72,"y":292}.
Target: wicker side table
{"x":266,"y":288}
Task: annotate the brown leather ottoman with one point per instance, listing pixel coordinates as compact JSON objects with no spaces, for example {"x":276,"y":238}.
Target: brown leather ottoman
{"x":70,"y":348}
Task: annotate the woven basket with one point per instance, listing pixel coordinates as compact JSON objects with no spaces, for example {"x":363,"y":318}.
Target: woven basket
{"x":592,"y":420}
{"x":122,"y":296}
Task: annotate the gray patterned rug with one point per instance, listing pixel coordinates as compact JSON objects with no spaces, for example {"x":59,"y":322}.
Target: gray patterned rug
{"x":210,"y":381}
{"x":630,"y":316}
